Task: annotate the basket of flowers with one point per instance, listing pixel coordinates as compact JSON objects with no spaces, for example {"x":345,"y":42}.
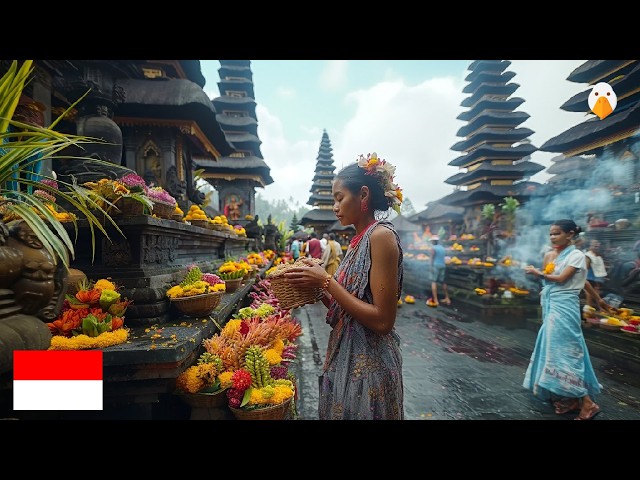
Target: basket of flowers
{"x":199,"y":387}
{"x":291,"y":296}
{"x":91,"y":318}
{"x":232,"y":273}
{"x":272,"y":412}
{"x":198,"y":294}
{"x":164,"y":205}
{"x":198,"y":305}
{"x":257,"y":347}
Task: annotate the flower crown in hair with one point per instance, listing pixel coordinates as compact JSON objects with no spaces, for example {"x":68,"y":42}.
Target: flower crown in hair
{"x":385,"y":173}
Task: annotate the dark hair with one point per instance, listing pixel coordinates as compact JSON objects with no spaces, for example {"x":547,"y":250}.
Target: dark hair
{"x":354,"y":178}
{"x":567,"y":226}
{"x":332,"y":236}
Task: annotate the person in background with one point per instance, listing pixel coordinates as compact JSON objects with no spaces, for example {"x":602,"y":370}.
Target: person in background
{"x":362,"y":373}
{"x":314,"y":247}
{"x":324,"y":241}
{"x":438,"y":272}
{"x":336,"y":246}
{"x":295,"y":249}
{"x":330,"y":259}
{"x":560,"y":369}
{"x":596,"y":271}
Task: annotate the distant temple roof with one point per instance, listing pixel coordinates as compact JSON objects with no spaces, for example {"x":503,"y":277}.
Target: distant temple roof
{"x":172,"y":99}
{"x":490,"y":194}
{"x":595,"y":133}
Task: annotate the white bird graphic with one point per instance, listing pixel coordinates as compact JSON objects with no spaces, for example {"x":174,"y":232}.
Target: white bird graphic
{"x":602,"y":100}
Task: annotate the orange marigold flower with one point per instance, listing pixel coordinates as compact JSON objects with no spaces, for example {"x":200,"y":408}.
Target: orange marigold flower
{"x":89,"y":296}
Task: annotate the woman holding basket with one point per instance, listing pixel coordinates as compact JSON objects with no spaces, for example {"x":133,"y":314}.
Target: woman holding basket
{"x":362,"y":373}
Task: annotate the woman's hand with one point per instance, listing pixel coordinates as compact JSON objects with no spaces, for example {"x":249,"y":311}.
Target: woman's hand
{"x":531,"y":270}
{"x":313,"y":275}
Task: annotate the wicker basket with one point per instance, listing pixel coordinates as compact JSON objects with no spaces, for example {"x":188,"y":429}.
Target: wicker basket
{"x":204,"y":400}
{"x":163,"y":210}
{"x":200,"y":223}
{"x":233,"y":284}
{"x":291,"y":296}
{"x":198,"y":305}
{"x":130,"y":206}
{"x":275,"y":412}
{"x":177,"y":217}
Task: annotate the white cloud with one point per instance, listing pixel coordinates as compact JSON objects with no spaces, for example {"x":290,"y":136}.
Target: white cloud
{"x":286,"y":93}
{"x":292,"y":163}
{"x":334,"y":75}
{"x":414,"y":127}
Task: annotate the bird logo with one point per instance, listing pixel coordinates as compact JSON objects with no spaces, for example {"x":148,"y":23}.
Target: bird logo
{"x":602,"y":100}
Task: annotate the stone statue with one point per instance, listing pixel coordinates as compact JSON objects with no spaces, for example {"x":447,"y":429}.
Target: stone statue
{"x":40,"y":284}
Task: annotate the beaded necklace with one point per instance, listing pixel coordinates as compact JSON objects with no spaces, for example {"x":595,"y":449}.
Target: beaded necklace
{"x":356,"y":240}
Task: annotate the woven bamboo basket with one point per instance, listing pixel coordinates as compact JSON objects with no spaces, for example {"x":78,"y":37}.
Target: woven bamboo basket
{"x":198,"y":305}
{"x":289,"y":296}
{"x":204,"y":400}
{"x":200,"y":223}
{"x":163,"y":210}
{"x":130,"y":207}
{"x":233,"y":284}
{"x":177,"y":217}
{"x":275,"y":412}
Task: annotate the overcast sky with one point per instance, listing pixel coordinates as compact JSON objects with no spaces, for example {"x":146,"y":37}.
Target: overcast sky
{"x":405,"y":110}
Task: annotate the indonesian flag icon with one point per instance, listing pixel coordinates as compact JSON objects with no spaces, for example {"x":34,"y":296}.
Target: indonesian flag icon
{"x":57,"y":380}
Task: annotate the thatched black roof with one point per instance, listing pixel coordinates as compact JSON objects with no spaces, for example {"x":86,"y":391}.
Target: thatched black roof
{"x":486,"y":169}
{"x":626,"y":89}
{"x":491,"y":134}
{"x":488,"y":78}
{"x":174,"y":99}
{"x":593,"y":71}
{"x":490,"y":194}
{"x":402,"y":224}
{"x":486,"y":89}
{"x":492,"y":152}
{"x":246,"y":165}
{"x":437,"y":211}
{"x":506,"y":119}
{"x":594,"y":133}
{"x":319,"y":215}
{"x":509,"y":104}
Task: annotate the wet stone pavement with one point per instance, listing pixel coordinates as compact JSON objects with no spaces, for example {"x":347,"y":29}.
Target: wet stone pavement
{"x":456,"y":368}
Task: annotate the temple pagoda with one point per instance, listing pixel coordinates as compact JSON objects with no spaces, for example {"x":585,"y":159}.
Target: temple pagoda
{"x":321,"y":217}
{"x":237,"y":175}
{"x":615,"y":136}
{"x":494,"y":163}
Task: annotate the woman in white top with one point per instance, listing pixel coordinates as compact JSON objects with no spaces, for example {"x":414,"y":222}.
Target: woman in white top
{"x":596,"y":271}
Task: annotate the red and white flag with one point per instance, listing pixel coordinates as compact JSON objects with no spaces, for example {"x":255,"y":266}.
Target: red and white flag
{"x":57,"y":380}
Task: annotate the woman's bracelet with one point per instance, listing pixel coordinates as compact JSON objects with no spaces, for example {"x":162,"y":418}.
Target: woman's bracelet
{"x":327,"y":281}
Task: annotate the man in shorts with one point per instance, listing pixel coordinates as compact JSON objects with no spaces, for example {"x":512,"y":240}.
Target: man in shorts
{"x":438,"y":271}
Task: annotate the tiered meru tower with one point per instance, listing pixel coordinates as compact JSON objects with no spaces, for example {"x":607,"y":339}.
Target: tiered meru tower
{"x":321,"y":217}
{"x":236,"y":176}
{"x":616,"y":137}
{"x":495,"y":147}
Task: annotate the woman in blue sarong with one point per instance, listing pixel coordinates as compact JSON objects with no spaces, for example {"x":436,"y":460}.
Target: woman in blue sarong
{"x":362,"y":373}
{"x":560,"y":365}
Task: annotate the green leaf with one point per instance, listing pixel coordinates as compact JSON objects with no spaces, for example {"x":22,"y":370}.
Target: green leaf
{"x":246,"y":397}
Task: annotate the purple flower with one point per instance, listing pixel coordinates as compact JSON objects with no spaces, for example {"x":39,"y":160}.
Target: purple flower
{"x":50,"y":182}
{"x":278,"y":372}
{"x":134,"y":182}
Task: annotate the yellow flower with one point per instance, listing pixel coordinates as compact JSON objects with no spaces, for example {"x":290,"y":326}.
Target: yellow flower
{"x":278,"y":345}
{"x":225,"y":379}
{"x":231,"y":327}
{"x":272,"y":356}
{"x":549,"y":268}
{"x":175,"y":292}
{"x":81,"y":342}
{"x":104,"y":284}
